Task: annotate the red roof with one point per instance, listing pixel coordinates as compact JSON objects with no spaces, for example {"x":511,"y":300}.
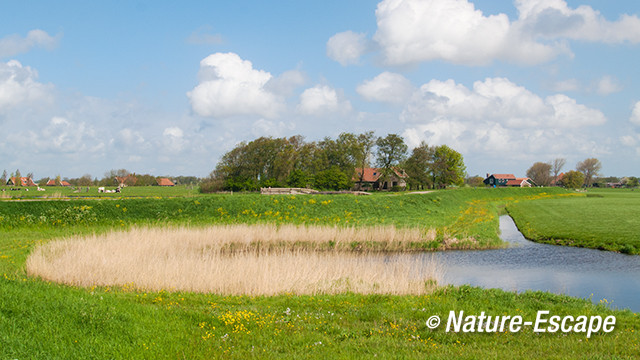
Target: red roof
{"x":24,"y":181}
{"x":504,"y":176}
{"x":373,"y":174}
{"x":164,"y":182}
{"x":64,"y":183}
{"x":516,"y":181}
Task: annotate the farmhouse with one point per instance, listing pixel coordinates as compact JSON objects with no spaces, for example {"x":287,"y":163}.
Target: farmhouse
{"x":126,"y":180}
{"x":52,"y":182}
{"x":373,"y":179}
{"x":164,"y":182}
{"x":22,"y":181}
{"x":508,"y":180}
{"x":558,"y":180}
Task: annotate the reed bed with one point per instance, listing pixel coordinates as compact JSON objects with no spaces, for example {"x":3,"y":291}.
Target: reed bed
{"x":240,"y":259}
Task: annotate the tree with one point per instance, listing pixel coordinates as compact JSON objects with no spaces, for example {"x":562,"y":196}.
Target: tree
{"x":540,"y":173}
{"x":556,"y":167}
{"x":448,"y":167}
{"x":391,"y":151}
{"x":332,"y":179}
{"x":17,"y":176}
{"x":475,"y":181}
{"x":3,"y":179}
{"x":632,"y":181}
{"x":590,"y":168}
{"x":418,"y":167}
{"x":363,"y":150}
{"x":573,"y":179}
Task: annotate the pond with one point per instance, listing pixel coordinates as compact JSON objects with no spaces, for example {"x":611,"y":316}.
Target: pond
{"x":526,"y":265}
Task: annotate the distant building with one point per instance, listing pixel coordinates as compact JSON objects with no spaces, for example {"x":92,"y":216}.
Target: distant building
{"x":372,"y":179}
{"x":52,"y":182}
{"x":558,"y":180}
{"x":164,"y":182}
{"x":508,"y":180}
{"x":23,"y":181}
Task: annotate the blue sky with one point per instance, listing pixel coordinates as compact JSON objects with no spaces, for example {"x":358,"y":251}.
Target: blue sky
{"x":167,"y":88}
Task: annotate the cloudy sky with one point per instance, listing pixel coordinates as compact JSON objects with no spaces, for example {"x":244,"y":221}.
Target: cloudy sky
{"x":168,"y":87}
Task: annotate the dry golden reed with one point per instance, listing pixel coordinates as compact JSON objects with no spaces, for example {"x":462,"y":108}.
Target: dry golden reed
{"x":237,"y":259}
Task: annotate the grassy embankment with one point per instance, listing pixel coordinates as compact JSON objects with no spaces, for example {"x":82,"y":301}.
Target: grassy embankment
{"x":605,"y":219}
{"x":39,"y":319}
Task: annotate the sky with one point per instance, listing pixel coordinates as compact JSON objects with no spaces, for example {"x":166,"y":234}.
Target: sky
{"x":166,"y":88}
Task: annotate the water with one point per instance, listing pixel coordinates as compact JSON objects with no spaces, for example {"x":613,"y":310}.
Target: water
{"x":527,"y":265}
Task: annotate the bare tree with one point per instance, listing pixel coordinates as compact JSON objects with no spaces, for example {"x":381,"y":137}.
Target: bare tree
{"x":590,"y":168}
{"x":540,"y":173}
{"x":556,"y":166}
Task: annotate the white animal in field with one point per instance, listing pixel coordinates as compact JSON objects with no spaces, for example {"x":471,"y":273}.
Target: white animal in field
{"x":40,"y":189}
{"x":101,"y":189}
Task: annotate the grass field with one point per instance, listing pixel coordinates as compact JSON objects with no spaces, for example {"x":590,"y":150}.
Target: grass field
{"x":42,"y":319}
{"x":606,"y":219}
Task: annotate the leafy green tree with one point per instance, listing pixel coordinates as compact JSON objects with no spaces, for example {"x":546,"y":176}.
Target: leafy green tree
{"x":448,"y":167}
{"x":332,"y":179}
{"x":418,"y":167}
{"x":474,"y":181}
{"x":573,"y":179}
{"x":17,"y":177}
{"x":632,"y":182}
{"x":3,"y":178}
{"x":540,"y":173}
{"x":298,"y":179}
{"x":391,"y":152}
{"x":590,"y":168}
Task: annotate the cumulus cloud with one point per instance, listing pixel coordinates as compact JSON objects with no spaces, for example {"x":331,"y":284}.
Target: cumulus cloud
{"x":497,"y":116}
{"x":414,"y":31}
{"x":566,"y":85}
{"x":322,"y":99}
{"x":286,"y":83}
{"x":347,"y":47}
{"x":387,"y":87}
{"x":64,"y":136}
{"x":608,"y":85}
{"x":15,"y":44}
{"x":554,"y":19}
{"x":500,"y":100}
{"x":635,"y":114}
{"x":229,"y":85}
{"x":19,"y":86}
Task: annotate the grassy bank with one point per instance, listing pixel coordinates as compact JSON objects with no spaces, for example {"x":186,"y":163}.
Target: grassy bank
{"x":40,"y":319}
{"x":607,"y":219}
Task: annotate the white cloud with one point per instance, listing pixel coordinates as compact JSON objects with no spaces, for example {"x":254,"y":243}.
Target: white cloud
{"x":414,"y":31}
{"x":63,"y":136}
{"x":387,"y":87}
{"x":501,"y":101}
{"x":322,"y":99}
{"x":264,"y":127}
{"x":608,"y":85}
{"x":554,"y":19}
{"x":19,"y":86}
{"x":15,"y":44}
{"x":286,"y":83}
{"x":496,"y":117}
{"x":230,"y":86}
{"x":635,"y":114}
{"x":173,"y":139}
{"x":347,"y":47}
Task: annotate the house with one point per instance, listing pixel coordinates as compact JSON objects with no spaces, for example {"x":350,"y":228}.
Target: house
{"x":373,"y":180}
{"x":508,"y":180}
{"x":558,"y":180}
{"x":22,"y":181}
{"x":52,"y":182}
{"x":164,"y":182}
{"x":126,"y":180}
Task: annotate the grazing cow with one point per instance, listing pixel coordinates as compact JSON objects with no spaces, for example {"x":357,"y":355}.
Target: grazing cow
{"x":101,"y":189}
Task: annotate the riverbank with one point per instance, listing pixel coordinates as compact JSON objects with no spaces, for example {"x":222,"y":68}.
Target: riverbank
{"x":604,"y":219}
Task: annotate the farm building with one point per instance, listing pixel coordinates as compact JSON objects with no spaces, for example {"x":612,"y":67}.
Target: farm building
{"x":558,"y":180}
{"x":52,"y":182}
{"x":373,"y":179}
{"x":164,"y":182}
{"x":23,"y":181}
{"x":508,"y":180}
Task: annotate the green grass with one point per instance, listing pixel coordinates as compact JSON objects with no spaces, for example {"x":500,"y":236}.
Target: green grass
{"x":607,"y":219}
{"x":45,"y":320}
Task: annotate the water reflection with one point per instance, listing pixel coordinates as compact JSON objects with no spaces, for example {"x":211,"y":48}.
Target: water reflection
{"x":531,"y":266}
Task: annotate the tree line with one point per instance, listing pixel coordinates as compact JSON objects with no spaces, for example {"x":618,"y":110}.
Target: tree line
{"x":330,"y":164}
{"x":586,"y":174}
{"x":109,"y":179}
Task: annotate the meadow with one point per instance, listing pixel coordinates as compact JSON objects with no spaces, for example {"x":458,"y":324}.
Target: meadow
{"x":605,"y":219}
{"x":40,"y":318}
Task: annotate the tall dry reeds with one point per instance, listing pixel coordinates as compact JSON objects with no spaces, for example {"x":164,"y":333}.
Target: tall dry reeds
{"x":238,"y":259}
